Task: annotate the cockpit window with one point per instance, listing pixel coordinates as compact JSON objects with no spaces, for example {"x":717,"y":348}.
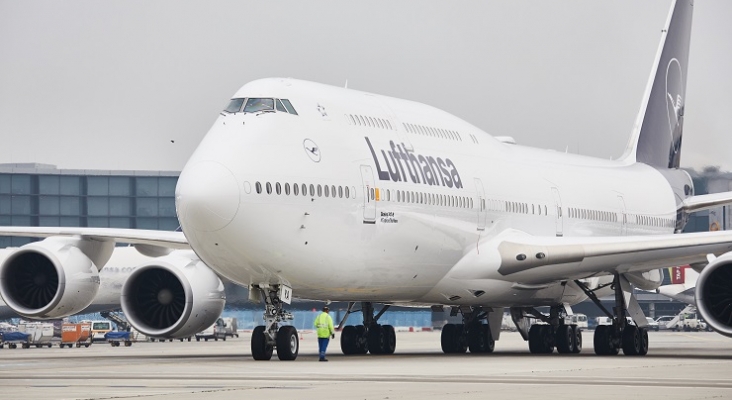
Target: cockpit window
{"x":234,"y":105}
{"x":258,"y":105}
{"x":280,"y":106}
{"x":289,"y":106}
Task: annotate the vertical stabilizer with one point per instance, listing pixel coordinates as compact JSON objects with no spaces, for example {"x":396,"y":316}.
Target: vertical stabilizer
{"x":656,"y":138}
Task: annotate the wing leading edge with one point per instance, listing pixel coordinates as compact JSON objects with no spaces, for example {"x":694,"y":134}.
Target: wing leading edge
{"x":165,"y":239}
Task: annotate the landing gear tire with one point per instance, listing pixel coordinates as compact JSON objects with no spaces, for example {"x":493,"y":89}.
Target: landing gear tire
{"x":261,"y":350}
{"x":376,"y":339}
{"x":603,"y":341}
{"x":577,"y":339}
{"x":565,"y":339}
{"x":389,"y":339}
{"x":452,"y":340}
{"x":541,"y":339}
{"x":288,"y":344}
{"x":480,"y":339}
{"x":349,"y":340}
{"x":363,"y":343}
{"x":635,"y":341}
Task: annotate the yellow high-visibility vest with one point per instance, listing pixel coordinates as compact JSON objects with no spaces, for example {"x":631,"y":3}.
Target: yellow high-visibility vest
{"x":324,"y":325}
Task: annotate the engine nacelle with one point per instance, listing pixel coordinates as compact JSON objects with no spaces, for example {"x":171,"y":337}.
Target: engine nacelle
{"x":174,"y":296}
{"x":714,"y":294}
{"x":52,"y":278}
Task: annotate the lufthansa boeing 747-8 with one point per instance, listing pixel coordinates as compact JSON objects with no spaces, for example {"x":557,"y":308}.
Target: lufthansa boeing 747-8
{"x":312,"y":191}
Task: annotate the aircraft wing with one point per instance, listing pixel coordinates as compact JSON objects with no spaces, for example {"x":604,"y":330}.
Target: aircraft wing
{"x":519,"y":257}
{"x":706,"y":201}
{"x":167,"y":239}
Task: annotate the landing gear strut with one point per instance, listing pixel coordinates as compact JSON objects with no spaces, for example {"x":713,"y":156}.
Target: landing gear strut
{"x":544,"y":338}
{"x":609,"y":339}
{"x":371,"y":337}
{"x":266,"y":338}
{"x":472,"y":334}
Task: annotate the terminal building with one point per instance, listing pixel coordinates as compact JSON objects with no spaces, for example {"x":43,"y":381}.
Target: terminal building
{"x":44,"y":195}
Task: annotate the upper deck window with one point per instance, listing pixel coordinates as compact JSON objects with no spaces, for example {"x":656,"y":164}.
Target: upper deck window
{"x":259,"y":105}
{"x":234,"y":105}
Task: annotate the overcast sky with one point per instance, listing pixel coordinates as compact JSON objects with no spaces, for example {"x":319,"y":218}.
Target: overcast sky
{"x":109,"y":84}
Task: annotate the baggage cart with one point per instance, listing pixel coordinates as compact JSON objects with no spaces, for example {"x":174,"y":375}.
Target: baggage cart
{"x":116,"y":338}
{"x":75,"y":335}
{"x":13,"y":339}
{"x":40,"y":334}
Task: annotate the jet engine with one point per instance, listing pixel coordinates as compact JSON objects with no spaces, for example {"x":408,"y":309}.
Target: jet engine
{"x":714,"y":294}
{"x":173,"y":296}
{"x":53,"y":278}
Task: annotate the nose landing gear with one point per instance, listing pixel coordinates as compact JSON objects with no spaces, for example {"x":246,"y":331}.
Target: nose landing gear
{"x":270,"y":337}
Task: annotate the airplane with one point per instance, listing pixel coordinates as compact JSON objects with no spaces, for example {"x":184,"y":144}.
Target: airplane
{"x":683,"y":285}
{"x":304,"y":190}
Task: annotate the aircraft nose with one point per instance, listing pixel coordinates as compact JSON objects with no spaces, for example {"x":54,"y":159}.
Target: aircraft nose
{"x":207,"y":196}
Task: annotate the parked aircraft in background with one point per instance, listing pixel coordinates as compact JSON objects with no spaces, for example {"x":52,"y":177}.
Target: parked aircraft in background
{"x":683,"y":284}
{"x":312,"y":191}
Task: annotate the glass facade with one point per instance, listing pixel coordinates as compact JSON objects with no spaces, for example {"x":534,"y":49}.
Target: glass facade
{"x":52,"y":197}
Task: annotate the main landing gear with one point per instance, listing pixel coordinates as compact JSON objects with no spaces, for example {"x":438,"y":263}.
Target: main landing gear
{"x":554,"y":333}
{"x":609,"y":339}
{"x":472,"y":334}
{"x":269,"y":337}
{"x":371,"y":337}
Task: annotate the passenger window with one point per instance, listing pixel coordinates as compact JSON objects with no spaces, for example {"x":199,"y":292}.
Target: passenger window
{"x":278,"y":188}
{"x":340,"y":191}
{"x":304,"y":190}
{"x":280,"y":107}
{"x":289,"y":107}
{"x":234,"y":106}
{"x":312,"y":190}
{"x":332,"y":190}
{"x":388,"y":124}
{"x":320,"y":191}
{"x":258,"y":187}
{"x":327,"y":191}
{"x":287,"y":189}
{"x":347,"y":194}
{"x":353,"y":121}
{"x":269,"y":188}
{"x":295,"y":189}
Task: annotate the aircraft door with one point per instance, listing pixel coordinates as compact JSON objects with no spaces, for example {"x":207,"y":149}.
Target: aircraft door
{"x":369,"y":196}
{"x":622,"y":217}
{"x":480,"y":202}
{"x":558,"y":211}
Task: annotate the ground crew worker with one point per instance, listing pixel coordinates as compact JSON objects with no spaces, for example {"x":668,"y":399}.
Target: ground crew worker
{"x":324,"y":326}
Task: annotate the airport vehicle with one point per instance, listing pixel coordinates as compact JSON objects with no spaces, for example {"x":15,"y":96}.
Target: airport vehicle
{"x":13,"y":339}
{"x":39,"y":334}
{"x":99,"y":328}
{"x":663,"y":321}
{"x":216,"y":331}
{"x":327,"y":193}
{"x":580,"y":320}
{"x":231,"y":327}
{"x":76,"y":335}
{"x":115,"y":338}
{"x":652,"y":324}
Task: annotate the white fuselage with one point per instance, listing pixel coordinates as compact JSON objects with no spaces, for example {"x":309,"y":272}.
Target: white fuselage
{"x":394,"y":236}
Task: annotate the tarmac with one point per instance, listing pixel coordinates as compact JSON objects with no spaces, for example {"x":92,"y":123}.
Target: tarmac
{"x":678,"y":366}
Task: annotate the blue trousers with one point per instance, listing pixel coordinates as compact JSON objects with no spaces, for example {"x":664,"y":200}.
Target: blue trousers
{"x":322,"y":346}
